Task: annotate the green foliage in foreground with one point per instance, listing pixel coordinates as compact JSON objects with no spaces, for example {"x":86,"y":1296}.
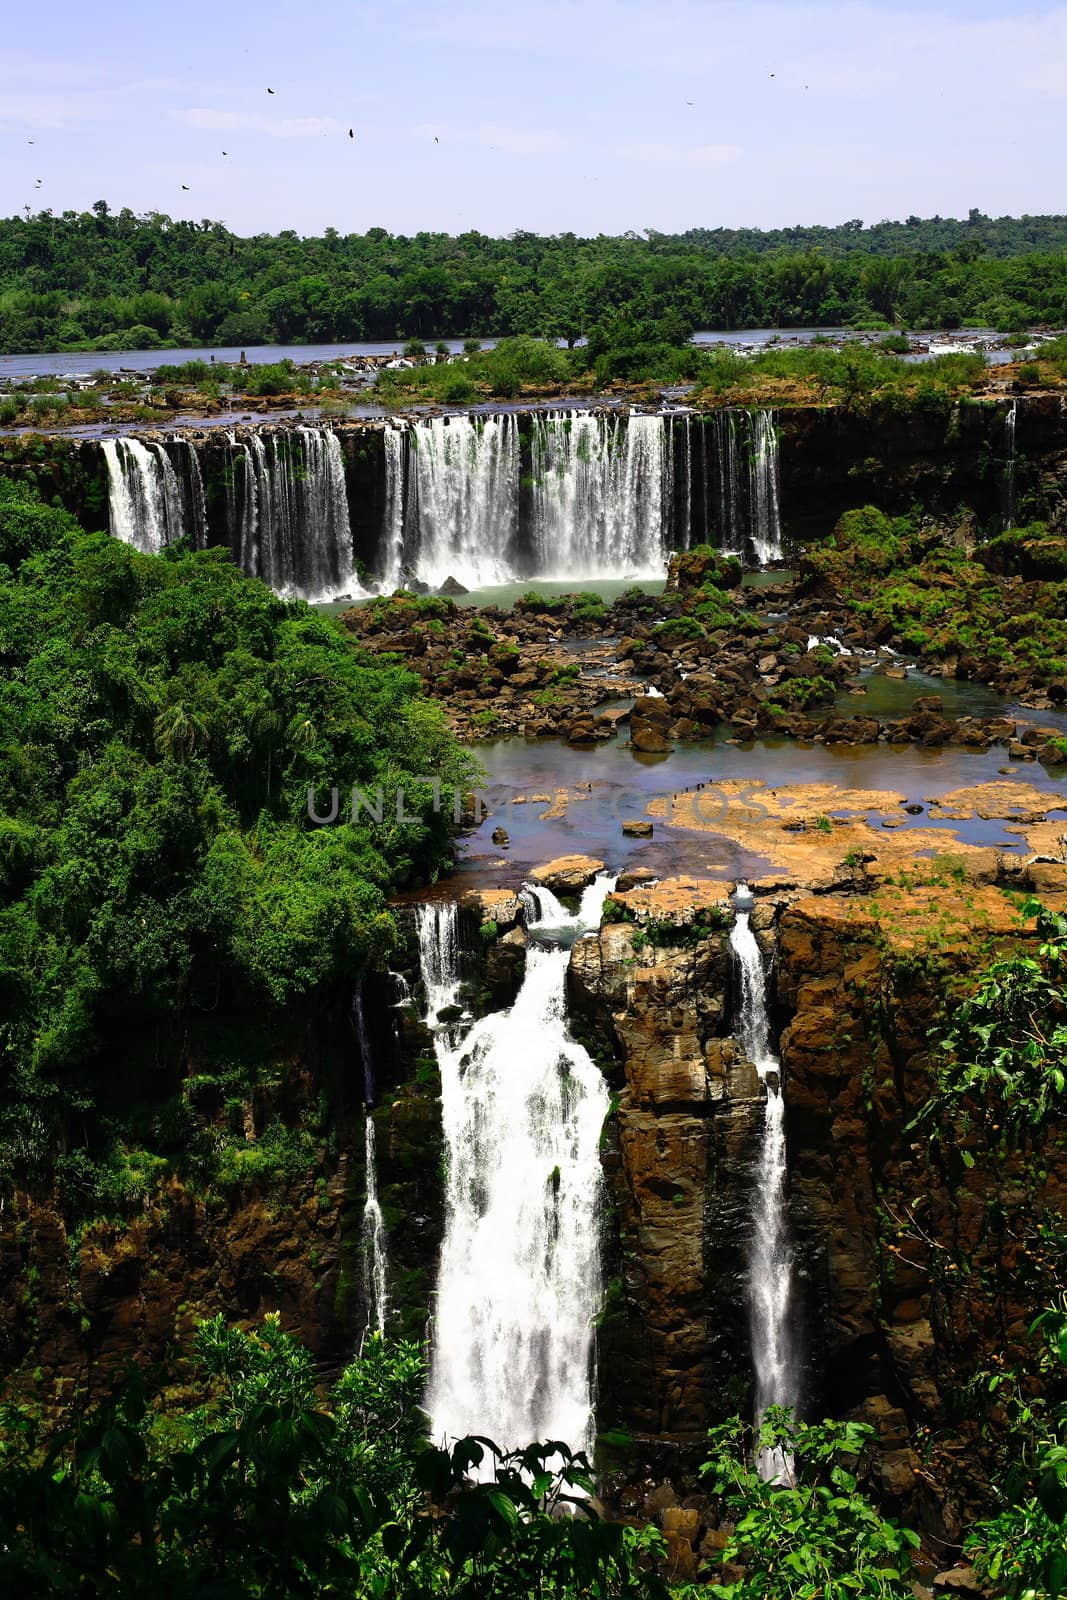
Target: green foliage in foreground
{"x":816,"y":1535}
{"x":271,"y":1489}
{"x":161,"y":721}
{"x":1021,"y":1551}
{"x":1004,"y":1058}
{"x":272,"y":1492}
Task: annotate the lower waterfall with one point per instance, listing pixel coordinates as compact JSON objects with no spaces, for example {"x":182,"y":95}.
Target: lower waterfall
{"x":438,"y":932}
{"x":1010,"y":418}
{"x":771,"y":1263}
{"x":519,"y":1282}
{"x":375,"y":1279}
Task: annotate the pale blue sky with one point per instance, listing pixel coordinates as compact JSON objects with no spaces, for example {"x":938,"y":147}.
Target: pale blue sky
{"x":549,"y":116}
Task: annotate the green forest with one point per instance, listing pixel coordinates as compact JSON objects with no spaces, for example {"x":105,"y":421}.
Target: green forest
{"x":103,"y":280}
{"x":163,"y":720}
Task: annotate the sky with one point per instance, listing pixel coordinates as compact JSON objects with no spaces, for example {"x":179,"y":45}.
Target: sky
{"x":591,"y":116}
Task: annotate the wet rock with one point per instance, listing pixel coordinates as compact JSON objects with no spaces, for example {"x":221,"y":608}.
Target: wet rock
{"x":452,"y":586}
{"x":501,"y":838}
{"x":638,"y":829}
{"x":649,"y":740}
{"x":567,"y":874}
{"x":634,"y":878}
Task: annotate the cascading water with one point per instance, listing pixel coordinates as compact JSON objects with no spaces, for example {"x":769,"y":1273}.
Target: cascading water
{"x":597,"y":502}
{"x":149,"y":507}
{"x":549,"y":917}
{"x":375,"y":1248}
{"x":771,"y":1267}
{"x":393,"y":532}
{"x":438,"y":934}
{"x":681,"y":538}
{"x":1010,"y":418}
{"x":728,"y":471}
{"x":463,"y":503}
{"x":294,"y":529}
{"x":519,"y":1282}
{"x":602,"y":495}
{"x":765,"y":528}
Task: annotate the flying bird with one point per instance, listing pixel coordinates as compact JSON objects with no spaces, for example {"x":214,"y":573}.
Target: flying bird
{"x":436,"y":140}
{"x":351,"y":135}
{"x":269,"y":89}
{"x":31,"y":141}
{"x":689,"y":102}
{"x":225,"y":152}
{"x":185,"y":186}
{"x":37,"y":185}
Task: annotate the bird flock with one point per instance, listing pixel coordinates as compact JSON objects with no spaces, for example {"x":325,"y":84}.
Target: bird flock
{"x":38,"y":182}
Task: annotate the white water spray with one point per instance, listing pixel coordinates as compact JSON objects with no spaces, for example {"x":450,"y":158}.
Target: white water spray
{"x":519,"y":1283}
{"x":438,"y":935}
{"x":765,"y":523}
{"x":1010,"y":419}
{"x":146,"y":500}
{"x":771,"y":1265}
{"x":375,"y":1244}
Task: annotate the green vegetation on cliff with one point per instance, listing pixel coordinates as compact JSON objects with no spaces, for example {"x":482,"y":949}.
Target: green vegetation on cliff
{"x":96,"y":279}
{"x":948,"y":604}
{"x":163,"y":719}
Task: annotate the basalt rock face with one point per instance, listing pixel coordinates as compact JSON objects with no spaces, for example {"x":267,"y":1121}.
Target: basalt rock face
{"x":940,"y":454}
{"x":910,"y":1260}
{"x":677,"y":1156}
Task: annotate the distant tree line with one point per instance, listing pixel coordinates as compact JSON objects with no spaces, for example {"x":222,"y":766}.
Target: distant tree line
{"x":98,"y":279}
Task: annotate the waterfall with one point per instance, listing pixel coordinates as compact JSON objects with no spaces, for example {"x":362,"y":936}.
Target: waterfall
{"x":375,"y":1281}
{"x":1009,"y":465}
{"x":764,"y":523}
{"x":598,"y":501}
{"x":770,"y":1266}
{"x":728,"y":471}
{"x":462,"y":514}
{"x":602,"y":495}
{"x":392,"y":569}
{"x":438,"y":935}
{"x":294,"y":530}
{"x":149,"y":507}
{"x":549,"y":917}
{"x":519,"y":1283}
{"x":193,"y":491}
{"x":683,"y":531}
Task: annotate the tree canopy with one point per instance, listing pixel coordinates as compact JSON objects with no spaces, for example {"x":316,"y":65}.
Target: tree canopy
{"x":117,"y":280}
{"x":162,"y":721}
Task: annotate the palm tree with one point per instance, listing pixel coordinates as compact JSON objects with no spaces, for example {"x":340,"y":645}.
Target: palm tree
{"x":178,"y":731}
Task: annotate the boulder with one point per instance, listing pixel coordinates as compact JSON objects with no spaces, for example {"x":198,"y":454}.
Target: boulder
{"x":567,"y":874}
{"x":639,"y":829}
{"x":452,"y":586}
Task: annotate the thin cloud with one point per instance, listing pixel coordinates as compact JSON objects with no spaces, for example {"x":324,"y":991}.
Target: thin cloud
{"x":207,"y":119}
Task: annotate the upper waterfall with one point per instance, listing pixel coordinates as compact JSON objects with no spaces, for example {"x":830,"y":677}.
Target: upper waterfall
{"x":570,"y":495}
{"x":151,"y":503}
{"x":293,"y":528}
